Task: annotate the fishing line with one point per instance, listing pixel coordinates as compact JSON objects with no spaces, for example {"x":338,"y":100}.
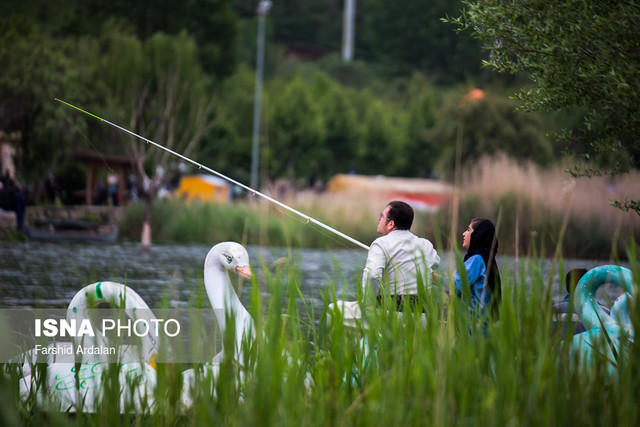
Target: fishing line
{"x":226,"y":178}
{"x":86,"y":138}
{"x":320,"y":231}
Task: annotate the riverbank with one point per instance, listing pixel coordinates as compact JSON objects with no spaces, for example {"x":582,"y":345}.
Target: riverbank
{"x":525,"y":226}
{"x":8,"y":222}
{"x":542,"y":212}
{"x":95,"y":215}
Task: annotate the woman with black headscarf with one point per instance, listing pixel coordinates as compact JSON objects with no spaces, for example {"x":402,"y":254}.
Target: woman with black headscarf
{"x":484,"y":282}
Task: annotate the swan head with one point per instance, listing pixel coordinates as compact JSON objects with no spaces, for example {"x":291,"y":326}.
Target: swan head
{"x":232,"y":256}
{"x":585,"y":303}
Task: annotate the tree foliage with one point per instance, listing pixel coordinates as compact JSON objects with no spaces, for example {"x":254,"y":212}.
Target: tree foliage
{"x":159,"y":90}
{"x":421,"y":120}
{"x":227,"y":148}
{"x":34,"y":69}
{"x":317,"y":128}
{"x":212,"y":23}
{"x":343,"y":131}
{"x":409,"y":36}
{"x":312,"y":24}
{"x":487,"y":126}
{"x":381,"y":149}
{"x":578,"y":54}
{"x":160,"y":75}
{"x":297,"y":146}
{"x":395,"y":38}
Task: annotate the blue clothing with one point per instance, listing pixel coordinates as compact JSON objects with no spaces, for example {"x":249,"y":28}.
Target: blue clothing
{"x":476,"y":273}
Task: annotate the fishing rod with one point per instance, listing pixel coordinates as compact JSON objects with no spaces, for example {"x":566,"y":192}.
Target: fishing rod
{"x":218,"y":174}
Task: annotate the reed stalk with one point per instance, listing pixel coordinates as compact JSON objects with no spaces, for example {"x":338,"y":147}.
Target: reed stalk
{"x":445,"y":369}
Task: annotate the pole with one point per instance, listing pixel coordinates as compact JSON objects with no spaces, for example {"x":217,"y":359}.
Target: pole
{"x":218,"y":174}
{"x":263,"y":9}
{"x":348,"y":15}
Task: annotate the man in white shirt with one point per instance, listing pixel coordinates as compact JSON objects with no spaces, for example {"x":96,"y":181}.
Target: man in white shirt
{"x":399,"y":258}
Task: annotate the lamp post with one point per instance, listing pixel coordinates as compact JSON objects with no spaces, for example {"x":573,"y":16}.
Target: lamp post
{"x":263,"y":9}
{"x":348,"y":19}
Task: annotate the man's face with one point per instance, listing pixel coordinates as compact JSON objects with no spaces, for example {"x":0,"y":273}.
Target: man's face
{"x":385,"y":225}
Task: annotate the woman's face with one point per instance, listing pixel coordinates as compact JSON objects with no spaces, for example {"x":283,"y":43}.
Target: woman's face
{"x":466,"y":237}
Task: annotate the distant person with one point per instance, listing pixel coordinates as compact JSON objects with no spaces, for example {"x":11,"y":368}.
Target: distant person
{"x":399,"y":259}
{"x":483,"y":275}
{"x":20,"y":206}
{"x":101,"y":193}
{"x":5,"y":196}
{"x":114,"y":195}
{"x":132,"y":186}
{"x":571,"y":280}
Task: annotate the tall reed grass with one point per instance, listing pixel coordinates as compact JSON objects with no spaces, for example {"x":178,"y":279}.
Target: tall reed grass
{"x":251,"y":222}
{"x":536,"y":203}
{"x":538,"y":208}
{"x":399,"y":371}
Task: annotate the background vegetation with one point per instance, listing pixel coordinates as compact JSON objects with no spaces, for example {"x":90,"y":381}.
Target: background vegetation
{"x":392,"y":111}
{"x":183,"y":73}
{"x":590,"y":66}
{"x":539,"y":211}
{"x":415,"y":102}
{"x":401,"y":370}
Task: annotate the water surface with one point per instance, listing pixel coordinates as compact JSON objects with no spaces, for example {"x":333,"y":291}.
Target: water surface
{"x":49,"y":274}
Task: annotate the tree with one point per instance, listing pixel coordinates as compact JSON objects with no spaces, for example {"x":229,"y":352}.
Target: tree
{"x":421,"y":120}
{"x":296,"y":133}
{"x":35,"y":68}
{"x":578,"y":54}
{"x":228,"y":147}
{"x":489,"y":125}
{"x":312,"y":26}
{"x":381,"y":151}
{"x":343,"y":130}
{"x":408,"y":36}
{"x":160,"y":91}
{"x":212,"y":23}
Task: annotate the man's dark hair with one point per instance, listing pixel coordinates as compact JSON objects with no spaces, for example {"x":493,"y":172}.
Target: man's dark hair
{"x":401,"y":214}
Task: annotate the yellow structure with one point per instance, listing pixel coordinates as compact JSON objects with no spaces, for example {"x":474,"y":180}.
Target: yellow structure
{"x":203,"y":187}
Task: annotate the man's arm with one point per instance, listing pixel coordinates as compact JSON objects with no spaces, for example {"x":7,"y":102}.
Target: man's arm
{"x":373,"y":269}
{"x":431,"y":255}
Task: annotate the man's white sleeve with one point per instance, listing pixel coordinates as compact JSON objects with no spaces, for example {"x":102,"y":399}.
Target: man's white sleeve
{"x":372,"y":274}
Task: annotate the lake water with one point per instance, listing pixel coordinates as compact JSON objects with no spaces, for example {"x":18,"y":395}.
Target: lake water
{"x":49,"y":274}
